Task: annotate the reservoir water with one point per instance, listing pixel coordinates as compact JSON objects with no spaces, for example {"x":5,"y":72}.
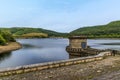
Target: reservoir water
{"x":46,"y":50}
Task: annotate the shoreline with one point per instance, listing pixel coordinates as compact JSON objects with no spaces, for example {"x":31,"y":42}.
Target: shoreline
{"x":10,"y":47}
{"x":105,"y":69}
{"x":67,"y":38}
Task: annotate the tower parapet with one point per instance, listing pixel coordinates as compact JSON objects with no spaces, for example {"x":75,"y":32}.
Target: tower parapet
{"x":78,"y":47}
{"x":78,"y":42}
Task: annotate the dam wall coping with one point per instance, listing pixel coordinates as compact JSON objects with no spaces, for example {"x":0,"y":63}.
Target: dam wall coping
{"x":54,"y":64}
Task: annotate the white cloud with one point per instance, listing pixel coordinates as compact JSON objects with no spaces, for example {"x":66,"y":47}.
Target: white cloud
{"x":62,"y":16}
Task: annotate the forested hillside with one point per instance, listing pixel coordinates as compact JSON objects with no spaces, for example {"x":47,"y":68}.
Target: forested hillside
{"x":111,"y":30}
{"x":21,"y":31}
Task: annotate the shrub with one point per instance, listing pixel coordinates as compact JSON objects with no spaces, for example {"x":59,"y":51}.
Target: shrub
{"x":35,"y":35}
{"x":2,"y":40}
{"x":7,"y":36}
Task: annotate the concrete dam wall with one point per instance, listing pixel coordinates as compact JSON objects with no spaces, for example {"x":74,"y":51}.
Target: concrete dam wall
{"x":56,"y":64}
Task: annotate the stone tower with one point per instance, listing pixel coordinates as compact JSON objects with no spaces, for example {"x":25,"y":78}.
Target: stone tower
{"x":77,"y":44}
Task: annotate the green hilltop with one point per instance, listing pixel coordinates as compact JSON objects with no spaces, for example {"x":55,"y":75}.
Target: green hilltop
{"x":8,"y":34}
{"x":36,"y":32}
{"x":111,"y":30}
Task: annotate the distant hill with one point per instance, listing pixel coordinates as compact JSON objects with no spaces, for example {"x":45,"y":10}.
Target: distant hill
{"x":19,"y":31}
{"x":111,"y":30}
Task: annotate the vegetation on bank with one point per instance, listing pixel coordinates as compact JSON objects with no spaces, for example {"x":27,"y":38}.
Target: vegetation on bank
{"x":6,"y":36}
{"x":33,"y":35}
{"x":19,"y":32}
{"x":111,"y":30}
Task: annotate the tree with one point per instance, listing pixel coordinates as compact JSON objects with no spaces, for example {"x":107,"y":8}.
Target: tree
{"x":2,"y":40}
{"x":7,"y":36}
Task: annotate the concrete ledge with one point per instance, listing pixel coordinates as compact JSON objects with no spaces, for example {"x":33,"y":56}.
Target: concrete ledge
{"x":55,"y":64}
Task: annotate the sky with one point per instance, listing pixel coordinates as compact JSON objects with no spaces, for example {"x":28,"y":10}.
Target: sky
{"x":58,"y":15}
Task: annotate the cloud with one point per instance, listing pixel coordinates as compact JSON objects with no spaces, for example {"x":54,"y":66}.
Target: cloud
{"x":58,"y":15}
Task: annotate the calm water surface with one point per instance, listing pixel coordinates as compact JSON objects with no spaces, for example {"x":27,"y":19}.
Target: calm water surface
{"x":46,"y":50}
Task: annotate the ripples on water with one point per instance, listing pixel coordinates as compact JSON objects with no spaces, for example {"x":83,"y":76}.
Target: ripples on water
{"x":35,"y":51}
{"x":105,"y":44}
{"x":45,"y":50}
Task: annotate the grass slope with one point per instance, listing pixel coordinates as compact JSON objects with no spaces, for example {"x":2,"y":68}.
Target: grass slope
{"x":110,"y":30}
{"x":23,"y":30}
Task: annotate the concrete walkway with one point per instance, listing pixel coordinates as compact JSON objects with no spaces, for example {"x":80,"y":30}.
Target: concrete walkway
{"x":107,"y":69}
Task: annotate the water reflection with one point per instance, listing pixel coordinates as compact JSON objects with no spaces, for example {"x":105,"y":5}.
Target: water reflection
{"x":104,"y":44}
{"x":37,"y":51}
{"x":30,"y":46}
{"x":46,"y":50}
{"x":110,"y":44}
{"x":5,"y":56}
